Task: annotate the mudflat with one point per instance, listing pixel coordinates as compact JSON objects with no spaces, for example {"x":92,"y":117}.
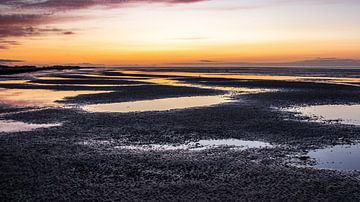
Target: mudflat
{"x":244,"y":146}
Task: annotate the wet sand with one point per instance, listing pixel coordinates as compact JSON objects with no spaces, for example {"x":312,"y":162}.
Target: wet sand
{"x":91,"y":156}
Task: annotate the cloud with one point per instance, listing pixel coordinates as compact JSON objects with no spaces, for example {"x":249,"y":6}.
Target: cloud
{"x":25,"y":18}
{"x":26,"y":25}
{"x":208,"y":61}
{"x":68,"y":33}
{"x":53,"y":5}
{"x":4,"y":44}
{"x":22,"y":31}
{"x":21,"y":19}
{"x":9,"y":61}
{"x":254,"y":5}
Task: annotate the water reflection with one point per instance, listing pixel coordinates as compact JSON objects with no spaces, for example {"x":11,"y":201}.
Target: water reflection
{"x":233,"y":143}
{"x":15,"y":81}
{"x":339,"y":80}
{"x":158,"y":104}
{"x":201,"y":145}
{"x":174,"y":82}
{"x":37,"y":97}
{"x":340,"y":157}
{"x":88,"y":76}
{"x":89,"y":85}
{"x":346,"y":114}
{"x":8,"y":126}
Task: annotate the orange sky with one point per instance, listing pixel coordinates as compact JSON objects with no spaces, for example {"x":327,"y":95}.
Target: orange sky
{"x":168,"y":32}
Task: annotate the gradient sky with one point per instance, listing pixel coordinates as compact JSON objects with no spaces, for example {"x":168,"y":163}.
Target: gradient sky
{"x":162,"y":32}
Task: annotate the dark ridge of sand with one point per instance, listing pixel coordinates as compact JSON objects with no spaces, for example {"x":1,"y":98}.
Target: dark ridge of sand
{"x":288,"y":98}
{"x":115,"y":72}
{"x":5,"y":70}
{"x":94,"y":76}
{"x":269,"y":84}
{"x":290,"y":93}
{"x":145,"y":92}
{"x":87,"y":81}
{"x":8,"y":70}
{"x":66,"y":87}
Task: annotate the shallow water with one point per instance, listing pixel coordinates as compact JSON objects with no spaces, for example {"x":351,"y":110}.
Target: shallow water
{"x":158,"y":104}
{"x":174,"y":82}
{"x":346,"y":114}
{"x":37,"y":97}
{"x":243,"y":144}
{"x":90,"y":85}
{"x":8,"y":126}
{"x":340,"y":157}
{"x":201,"y":145}
{"x":338,"y":80}
{"x":14,"y":81}
{"x":87,"y":76}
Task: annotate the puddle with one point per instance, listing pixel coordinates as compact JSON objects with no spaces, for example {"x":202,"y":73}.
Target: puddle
{"x":88,"y":76}
{"x":37,"y":97}
{"x":14,"y":81}
{"x":89,"y":85}
{"x":55,"y":78}
{"x":340,"y":157}
{"x":201,"y":145}
{"x":235,"y":143}
{"x":174,"y":82}
{"x":8,"y":126}
{"x":346,"y":114}
{"x":158,"y":104}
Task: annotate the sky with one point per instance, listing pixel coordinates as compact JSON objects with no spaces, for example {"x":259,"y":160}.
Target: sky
{"x":168,"y":32}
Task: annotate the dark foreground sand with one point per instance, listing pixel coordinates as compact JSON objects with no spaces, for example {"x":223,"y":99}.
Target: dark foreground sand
{"x":81,"y":160}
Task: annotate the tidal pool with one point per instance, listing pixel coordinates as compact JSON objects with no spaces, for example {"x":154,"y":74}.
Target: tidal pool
{"x":37,"y":97}
{"x":174,"y":82}
{"x":158,"y":104}
{"x":201,"y":145}
{"x":346,"y":114}
{"x":14,"y":81}
{"x":340,"y":157}
{"x":8,"y":126}
{"x":336,"y":80}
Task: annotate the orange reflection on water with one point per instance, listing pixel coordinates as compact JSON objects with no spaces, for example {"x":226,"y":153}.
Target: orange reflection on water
{"x":89,"y":76}
{"x":14,"y":81}
{"x":158,"y":104}
{"x":37,"y":97}
{"x":172,"y":82}
{"x":213,"y":75}
{"x":248,"y":76}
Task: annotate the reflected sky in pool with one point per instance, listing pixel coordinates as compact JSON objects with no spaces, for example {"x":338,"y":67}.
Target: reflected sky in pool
{"x":9,"y":126}
{"x":201,"y":145}
{"x":346,"y":114}
{"x":37,"y":97}
{"x":339,"y":80}
{"x":158,"y":104}
{"x":340,"y":157}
